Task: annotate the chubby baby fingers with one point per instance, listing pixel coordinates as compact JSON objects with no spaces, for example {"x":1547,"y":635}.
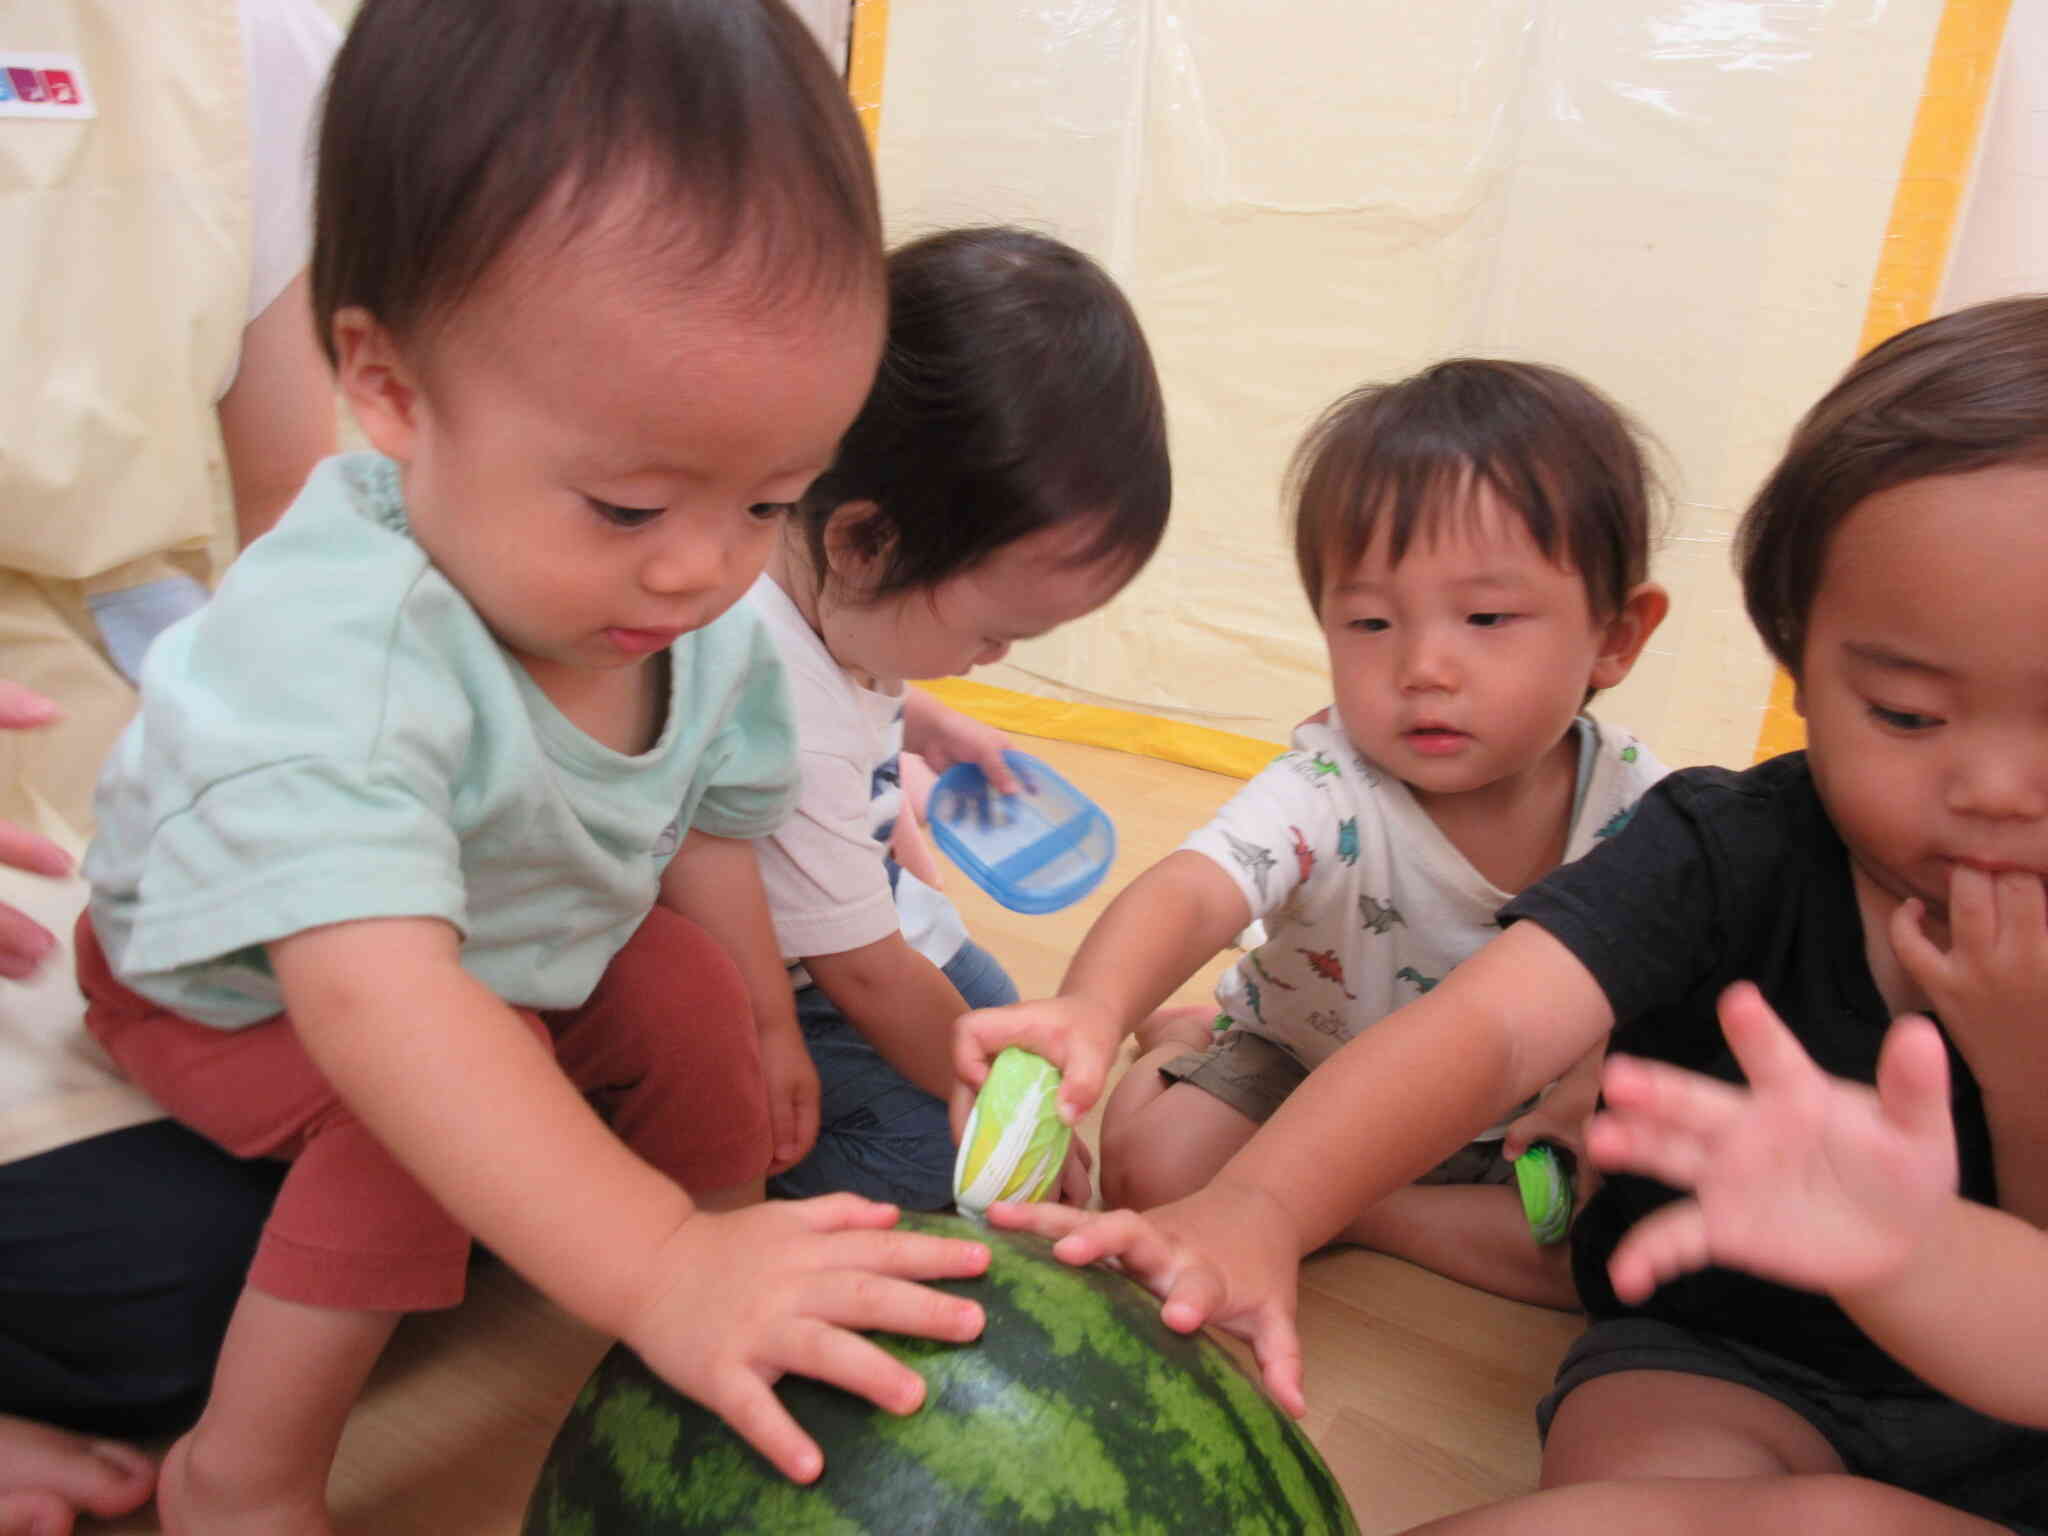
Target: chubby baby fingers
{"x":1669,"y":1242}
{"x":905,"y":1255}
{"x":1655,"y":1113}
{"x":32,"y":851}
{"x":1912,"y":1085}
{"x":23,"y":708}
{"x":1276,"y":1345}
{"x":809,"y":1346}
{"x":1048,"y":1221}
{"x":24,"y":944}
{"x":1192,"y":1295}
{"x":866,"y":1300}
{"x":1083,"y":1237}
{"x":757,"y":1416}
{"x":1628,"y":1143}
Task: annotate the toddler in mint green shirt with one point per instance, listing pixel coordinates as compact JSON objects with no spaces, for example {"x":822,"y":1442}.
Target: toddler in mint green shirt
{"x":428,"y":863}
{"x":384,"y":756}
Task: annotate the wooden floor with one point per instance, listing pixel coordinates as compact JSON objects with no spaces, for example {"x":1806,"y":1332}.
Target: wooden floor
{"x":1420,"y":1390}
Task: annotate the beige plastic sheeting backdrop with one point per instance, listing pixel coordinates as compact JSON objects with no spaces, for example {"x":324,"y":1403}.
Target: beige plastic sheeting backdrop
{"x":2001,"y":243}
{"x":1683,"y":200}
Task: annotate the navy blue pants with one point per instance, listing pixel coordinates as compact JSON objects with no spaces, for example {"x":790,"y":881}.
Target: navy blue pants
{"x":121,"y":1258}
{"x":879,"y":1134}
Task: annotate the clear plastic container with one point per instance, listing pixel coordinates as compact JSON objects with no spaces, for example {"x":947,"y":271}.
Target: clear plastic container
{"x":1034,"y":852}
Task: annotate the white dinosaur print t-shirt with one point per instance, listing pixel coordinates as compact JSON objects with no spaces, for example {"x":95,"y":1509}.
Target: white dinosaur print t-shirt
{"x":1365,"y":903}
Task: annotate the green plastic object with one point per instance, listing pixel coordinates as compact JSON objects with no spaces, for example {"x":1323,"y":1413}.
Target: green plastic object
{"x":1015,"y":1141}
{"x":1544,"y":1175}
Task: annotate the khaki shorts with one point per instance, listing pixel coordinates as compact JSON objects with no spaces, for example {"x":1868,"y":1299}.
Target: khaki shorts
{"x":1254,"y":1077}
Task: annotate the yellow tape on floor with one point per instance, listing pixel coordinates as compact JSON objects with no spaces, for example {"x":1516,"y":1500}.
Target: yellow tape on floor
{"x":1095,"y":725}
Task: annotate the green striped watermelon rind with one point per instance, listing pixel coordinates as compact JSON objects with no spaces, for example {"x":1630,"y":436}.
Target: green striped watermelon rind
{"x":1178,"y":1439}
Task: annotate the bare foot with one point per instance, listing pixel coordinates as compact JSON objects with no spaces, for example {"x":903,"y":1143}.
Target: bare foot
{"x":48,"y":1476}
{"x":192,"y":1502}
{"x":1188,"y":1025}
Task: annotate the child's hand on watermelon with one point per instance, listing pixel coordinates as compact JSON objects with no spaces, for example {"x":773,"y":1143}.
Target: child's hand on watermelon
{"x":1227,"y":1254}
{"x":785,"y":1287}
{"x":1077,"y":1036}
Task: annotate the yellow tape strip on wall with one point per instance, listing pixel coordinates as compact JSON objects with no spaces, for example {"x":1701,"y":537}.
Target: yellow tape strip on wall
{"x":1960,"y":70}
{"x":1090,"y":724}
{"x":1922,"y":226}
{"x":864,"y":65}
{"x":1096,"y":725}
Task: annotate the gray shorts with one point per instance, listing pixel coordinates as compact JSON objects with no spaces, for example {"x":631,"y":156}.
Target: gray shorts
{"x":1909,"y":1437}
{"x":1254,"y":1076}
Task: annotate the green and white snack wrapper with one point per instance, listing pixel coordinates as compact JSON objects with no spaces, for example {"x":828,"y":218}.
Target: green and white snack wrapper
{"x":1015,"y":1142}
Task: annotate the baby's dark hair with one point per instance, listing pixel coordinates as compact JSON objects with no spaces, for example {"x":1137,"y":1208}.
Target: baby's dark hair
{"x":1016,"y":392}
{"x":449,"y":125}
{"x":1964,"y":392}
{"x":1554,"y":449}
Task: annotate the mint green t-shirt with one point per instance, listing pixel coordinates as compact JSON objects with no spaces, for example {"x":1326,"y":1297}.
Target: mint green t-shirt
{"x":338,"y":736}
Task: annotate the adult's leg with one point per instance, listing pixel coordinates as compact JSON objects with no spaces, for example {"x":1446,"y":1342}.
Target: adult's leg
{"x":120,"y":1260}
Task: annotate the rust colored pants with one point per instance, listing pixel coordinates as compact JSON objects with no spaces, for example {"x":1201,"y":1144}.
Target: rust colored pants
{"x":664,"y":1048}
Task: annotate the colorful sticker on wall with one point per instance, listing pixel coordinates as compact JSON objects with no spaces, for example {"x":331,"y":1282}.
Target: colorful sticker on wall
{"x":47,"y":85}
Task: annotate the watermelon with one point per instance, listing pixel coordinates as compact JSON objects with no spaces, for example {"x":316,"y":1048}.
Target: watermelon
{"x":1077,"y":1410}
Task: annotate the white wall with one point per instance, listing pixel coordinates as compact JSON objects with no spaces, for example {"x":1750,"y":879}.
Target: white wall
{"x":2002,"y":242}
{"x":1682,"y":199}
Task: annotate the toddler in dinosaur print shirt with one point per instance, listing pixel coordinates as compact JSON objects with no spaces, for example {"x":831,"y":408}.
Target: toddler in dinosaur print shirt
{"x":1365,"y":902}
{"x":1474,"y":542}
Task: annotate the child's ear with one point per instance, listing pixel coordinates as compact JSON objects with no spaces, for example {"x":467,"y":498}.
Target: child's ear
{"x":856,"y":542}
{"x":1628,"y":632}
{"x":378,"y":384}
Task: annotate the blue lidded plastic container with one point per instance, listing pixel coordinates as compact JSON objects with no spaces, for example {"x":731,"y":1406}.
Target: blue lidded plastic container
{"x":1034,"y":852}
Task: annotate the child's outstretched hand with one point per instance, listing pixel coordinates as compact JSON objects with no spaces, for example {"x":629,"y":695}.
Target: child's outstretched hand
{"x":1801,"y":1178}
{"x":1078,"y":1037}
{"x":1226,"y":1254}
{"x":756,"y":1294}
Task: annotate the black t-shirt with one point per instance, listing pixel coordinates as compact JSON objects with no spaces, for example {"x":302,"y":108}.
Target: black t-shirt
{"x":1722,"y":877}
